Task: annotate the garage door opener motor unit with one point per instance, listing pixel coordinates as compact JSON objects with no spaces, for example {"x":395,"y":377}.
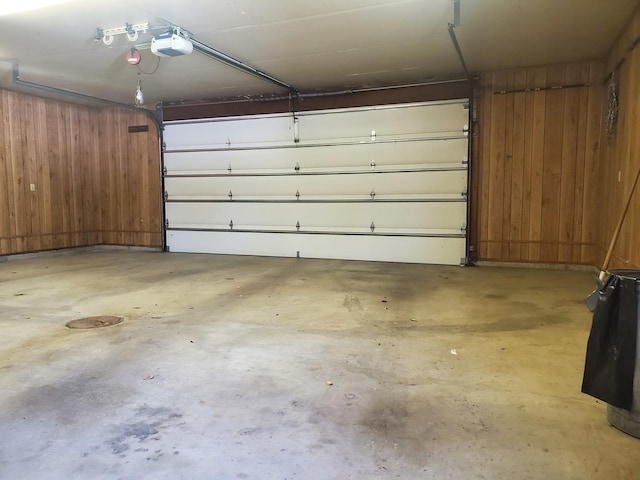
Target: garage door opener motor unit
{"x":170,"y":44}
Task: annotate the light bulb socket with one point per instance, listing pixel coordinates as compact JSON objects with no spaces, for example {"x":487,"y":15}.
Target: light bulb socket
{"x":139,"y":97}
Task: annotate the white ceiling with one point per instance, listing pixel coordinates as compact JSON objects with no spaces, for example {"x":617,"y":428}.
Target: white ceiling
{"x":310,"y":44}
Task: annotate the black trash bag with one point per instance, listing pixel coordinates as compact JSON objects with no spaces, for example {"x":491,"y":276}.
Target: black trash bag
{"x":611,"y":348}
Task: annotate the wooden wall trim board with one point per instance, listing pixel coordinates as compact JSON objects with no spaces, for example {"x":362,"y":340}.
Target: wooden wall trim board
{"x":538,"y":163}
{"x":95,"y":182}
{"x":420,"y":93}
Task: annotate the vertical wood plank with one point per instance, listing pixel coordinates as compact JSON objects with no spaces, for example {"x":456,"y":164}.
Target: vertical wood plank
{"x":485,"y":107}
{"x":552,"y":166}
{"x":496,"y":168}
{"x":75,"y":220}
{"x":134,"y":168}
{"x":123,"y":186}
{"x":30,"y":174}
{"x":6,"y":200}
{"x":537,"y":161}
{"x":55,"y":122}
{"x":517,"y":168}
{"x":581,"y":147}
{"x":44,"y":185}
{"x":101,"y":178}
{"x":17,"y":163}
{"x":592,"y":199}
{"x":65,"y":144}
{"x":95,"y":181}
{"x":145,"y":186}
{"x":527,"y":168}
{"x":507,"y":166}
{"x":110,"y":192}
{"x":568,"y":166}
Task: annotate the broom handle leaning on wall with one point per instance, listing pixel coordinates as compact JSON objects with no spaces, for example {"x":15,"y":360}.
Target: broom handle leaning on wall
{"x":616,"y":232}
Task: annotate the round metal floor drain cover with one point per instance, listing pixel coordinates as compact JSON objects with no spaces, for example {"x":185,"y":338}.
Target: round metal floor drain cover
{"x":95,"y":322}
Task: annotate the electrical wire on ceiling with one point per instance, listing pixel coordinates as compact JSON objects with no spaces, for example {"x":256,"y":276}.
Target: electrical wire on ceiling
{"x":152,"y":72}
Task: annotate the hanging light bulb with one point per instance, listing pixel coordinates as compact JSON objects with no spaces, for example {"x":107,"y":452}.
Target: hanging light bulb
{"x":133,"y":56}
{"x":139,"y":96}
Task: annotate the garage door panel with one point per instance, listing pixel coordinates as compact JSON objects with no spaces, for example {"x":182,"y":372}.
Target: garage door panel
{"x":424,"y":215}
{"x":387,"y":123}
{"x":334,"y":185}
{"x":247,"y":132}
{"x":421,"y":153}
{"x":434,"y":250}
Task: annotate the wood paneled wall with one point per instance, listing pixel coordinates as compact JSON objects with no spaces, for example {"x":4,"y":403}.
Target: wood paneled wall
{"x":536,"y":165}
{"x":94,"y":182}
{"x":620,"y":157}
{"x":130,"y":180}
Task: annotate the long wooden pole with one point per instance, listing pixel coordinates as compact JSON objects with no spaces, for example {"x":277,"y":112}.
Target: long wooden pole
{"x":616,"y":232}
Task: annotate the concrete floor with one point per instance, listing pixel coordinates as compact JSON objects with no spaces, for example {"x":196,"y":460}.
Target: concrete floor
{"x":221,"y":371}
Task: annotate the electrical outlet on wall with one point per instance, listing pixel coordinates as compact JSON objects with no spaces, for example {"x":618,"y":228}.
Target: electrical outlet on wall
{"x":32,"y":187}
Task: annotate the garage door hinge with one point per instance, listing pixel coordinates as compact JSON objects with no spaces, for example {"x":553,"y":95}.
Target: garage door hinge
{"x":229,"y":169}
{"x":373,"y":135}
{"x":166,"y":195}
{"x":164,"y":146}
{"x":166,"y":223}
{"x":463,"y":228}
{"x":298,"y":226}
{"x":372,"y":194}
{"x":373,"y":164}
{"x":372,"y":227}
{"x":297,"y":194}
{"x":465,"y":161}
{"x":230,"y":195}
{"x":465,"y":130}
{"x":164,"y":171}
{"x":231,"y":225}
{"x":464,"y":193}
{"x":297,"y":167}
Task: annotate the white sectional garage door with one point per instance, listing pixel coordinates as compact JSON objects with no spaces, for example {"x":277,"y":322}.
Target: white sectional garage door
{"x":384,"y":183}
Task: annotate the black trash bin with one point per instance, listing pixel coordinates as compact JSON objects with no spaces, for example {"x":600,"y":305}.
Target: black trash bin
{"x":612,"y":366}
